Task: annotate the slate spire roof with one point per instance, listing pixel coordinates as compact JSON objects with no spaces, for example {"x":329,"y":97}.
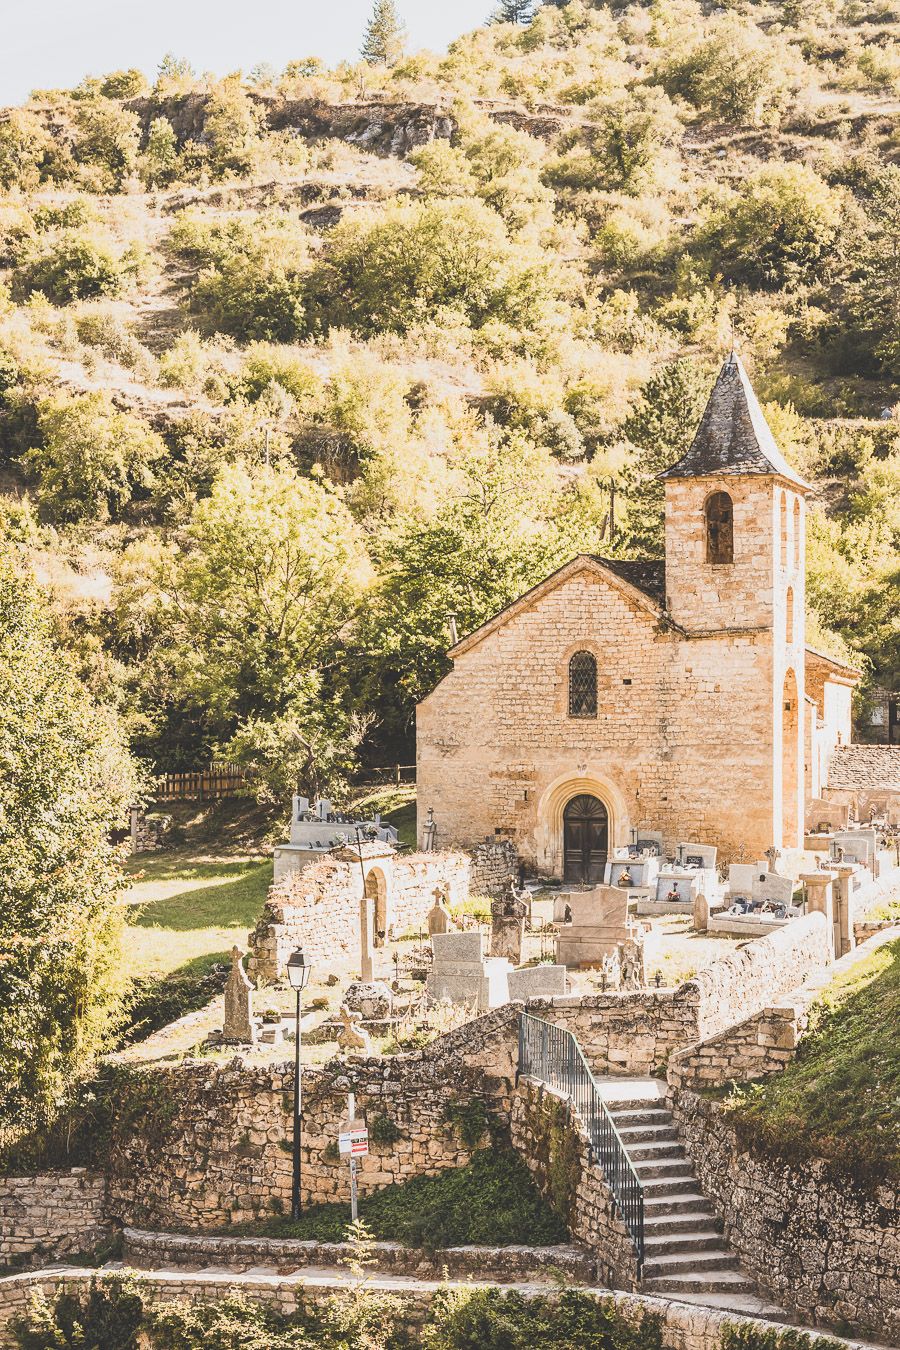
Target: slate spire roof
{"x":733,"y":436}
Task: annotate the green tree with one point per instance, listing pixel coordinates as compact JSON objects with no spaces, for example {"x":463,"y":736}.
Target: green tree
{"x":513,"y":11}
{"x":125,"y":84}
{"x":26,"y":149}
{"x":72,"y":265}
{"x":92,"y":458}
{"x":252,"y":610}
{"x":107,"y":139}
{"x":659,"y":430}
{"x":874,"y":292}
{"x":160,"y":160}
{"x":232,"y":128}
{"x":65,"y":785}
{"x":385,"y":35}
{"x":735,"y":71}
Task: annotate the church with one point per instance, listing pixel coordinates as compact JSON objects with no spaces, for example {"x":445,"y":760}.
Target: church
{"x":676,"y":696}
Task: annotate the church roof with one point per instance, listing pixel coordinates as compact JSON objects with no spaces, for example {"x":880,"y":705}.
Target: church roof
{"x":865,"y":766}
{"x":733,"y":436}
{"x":645,"y":574}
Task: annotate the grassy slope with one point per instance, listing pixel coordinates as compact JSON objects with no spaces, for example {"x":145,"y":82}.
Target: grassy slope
{"x":839,"y":1099}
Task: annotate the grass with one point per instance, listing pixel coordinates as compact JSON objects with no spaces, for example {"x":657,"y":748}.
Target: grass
{"x":839,"y":1098}
{"x":397,"y":805}
{"x":492,"y":1201}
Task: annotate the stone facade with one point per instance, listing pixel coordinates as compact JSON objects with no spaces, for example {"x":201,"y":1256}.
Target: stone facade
{"x":51,"y":1215}
{"x":555,"y":1146}
{"x":828,"y":1251}
{"x":705,"y":669}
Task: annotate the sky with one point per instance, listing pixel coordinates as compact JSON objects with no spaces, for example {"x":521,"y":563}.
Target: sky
{"x":51,"y":44}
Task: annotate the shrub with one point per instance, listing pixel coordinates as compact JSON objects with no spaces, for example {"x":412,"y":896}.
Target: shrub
{"x":106,"y":142}
{"x":111,"y":1315}
{"x":92,"y":457}
{"x":73,"y":266}
{"x":736,"y":72}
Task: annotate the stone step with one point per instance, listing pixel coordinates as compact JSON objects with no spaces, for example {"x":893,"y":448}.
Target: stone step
{"x":715,"y":1282}
{"x":679,"y":1221}
{"x":646,"y":1115}
{"x":648,"y":1134}
{"x":666,"y":1150}
{"x":689,"y":1263}
{"x":660,"y":1188}
{"x":699,"y":1239}
{"x":663,"y":1169}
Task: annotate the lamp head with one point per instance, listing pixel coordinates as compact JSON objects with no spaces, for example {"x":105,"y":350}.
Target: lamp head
{"x":298,"y":970}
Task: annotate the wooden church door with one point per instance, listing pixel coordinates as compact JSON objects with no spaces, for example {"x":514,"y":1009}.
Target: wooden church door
{"x":585,"y":840}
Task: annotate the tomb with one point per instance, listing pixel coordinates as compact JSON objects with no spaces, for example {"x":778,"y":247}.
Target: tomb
{"x":755,"y":909}
{"x":240,"y":1024}
{"x":316,"y":830}
{"x":508,"y":927}
{"x":540,"y":981}
{"x":461,"y":973}
{"x":599,"y":922}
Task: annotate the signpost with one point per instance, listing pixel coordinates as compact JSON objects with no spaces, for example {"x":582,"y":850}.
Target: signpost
{"x":353,"y":1142}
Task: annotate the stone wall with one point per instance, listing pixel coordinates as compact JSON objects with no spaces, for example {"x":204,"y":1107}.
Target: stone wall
{"x":685,"y":1326}
{"x":50,"y":1215}
{"x":554,"y":1144}
{"x":200,"y":1145}
{"x":495,"y":863}
{"x":318,"y":908}
{"x":828,"y":1251}
{"x":626,"y":1033}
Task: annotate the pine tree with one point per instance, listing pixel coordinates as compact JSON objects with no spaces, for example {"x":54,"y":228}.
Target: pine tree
{"x":513,"y":11}
{"x":385,"y":35}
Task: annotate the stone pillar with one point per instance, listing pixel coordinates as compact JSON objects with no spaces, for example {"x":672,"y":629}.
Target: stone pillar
{"x":843,"y":905}
{"x":366,"y":940}
{"x":820,"y":900}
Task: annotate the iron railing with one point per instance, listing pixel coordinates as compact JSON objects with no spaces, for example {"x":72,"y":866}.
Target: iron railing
{"x":553,"y":1056}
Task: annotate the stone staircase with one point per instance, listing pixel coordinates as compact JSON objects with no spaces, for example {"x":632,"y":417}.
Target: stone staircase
{"x":685,"y":1253}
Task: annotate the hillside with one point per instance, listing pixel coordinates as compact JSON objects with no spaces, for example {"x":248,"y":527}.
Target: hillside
{"x":294,"y":367}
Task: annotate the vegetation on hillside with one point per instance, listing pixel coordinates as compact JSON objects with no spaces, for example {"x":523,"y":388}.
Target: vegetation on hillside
{"x":274,"y":406}
{"x":839,"y":1098}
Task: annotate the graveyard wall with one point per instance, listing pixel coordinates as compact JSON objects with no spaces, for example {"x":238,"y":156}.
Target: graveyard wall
{"x":200,"y":1145}
{"x":685,"y":1326}
{"x":50,"y":1215}
{"x":827,"y":1249}
{"x":318,"y":908}
{"x":626,"y":1033}
{"x":554,"y":1144}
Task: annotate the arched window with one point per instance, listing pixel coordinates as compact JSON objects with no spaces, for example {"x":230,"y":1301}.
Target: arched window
{"x":583,"y":685}
{"x":789,"y":615}
{"x":719,"y":528}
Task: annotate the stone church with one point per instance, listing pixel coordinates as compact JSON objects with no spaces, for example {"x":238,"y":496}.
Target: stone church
{"x":678,"y":696}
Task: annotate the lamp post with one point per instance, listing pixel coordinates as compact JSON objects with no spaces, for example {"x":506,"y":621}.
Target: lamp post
{"x":298,"y":975}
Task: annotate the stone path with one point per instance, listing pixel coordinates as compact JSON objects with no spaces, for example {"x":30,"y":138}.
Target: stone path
{"x":685,"y":1253}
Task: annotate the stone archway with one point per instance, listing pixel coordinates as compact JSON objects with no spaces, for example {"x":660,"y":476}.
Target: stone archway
{"x":790,"y":762}
{"x":376,"y":894}
{"x":549,"y":831}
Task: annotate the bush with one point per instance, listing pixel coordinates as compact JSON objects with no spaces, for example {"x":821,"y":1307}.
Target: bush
{"x":92,"y":458}
{"x":736,"y":72}
{"x":73,"y":266}
{"x":493,"y":1319}
{"x":409,"y":263}
{"x":108,"y":1317}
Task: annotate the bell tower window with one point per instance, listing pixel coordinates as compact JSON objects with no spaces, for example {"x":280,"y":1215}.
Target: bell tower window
{"x":719,"y":512}
{"x":583,"y":685}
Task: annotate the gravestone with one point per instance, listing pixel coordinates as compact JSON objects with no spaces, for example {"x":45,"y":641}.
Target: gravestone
{"x":701,"y":913}
{"x":439,"y":917}
{"x":740,"y":879}
{"x":461,"y":973}
{"x":370,"y":1002}
{"x":697,"y":855}
{"x":240,"y":1024}
{"x":541,"y":981}
{"x":631,"y":957}
{"x":599,"y":922}
{"x":771,"y":886}
{"x":508,"y":927}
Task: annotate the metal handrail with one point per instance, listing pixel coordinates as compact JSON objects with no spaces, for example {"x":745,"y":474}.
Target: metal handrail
{"x":552,"y":1055}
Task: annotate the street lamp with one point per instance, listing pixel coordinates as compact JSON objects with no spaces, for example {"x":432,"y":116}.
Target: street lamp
{"x":298,"y":975}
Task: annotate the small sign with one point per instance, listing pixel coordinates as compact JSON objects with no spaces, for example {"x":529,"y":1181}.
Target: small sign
{"x":354,"y":1142}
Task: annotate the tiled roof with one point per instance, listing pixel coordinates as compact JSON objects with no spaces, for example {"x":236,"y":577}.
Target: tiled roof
{"x":645,"y":574}
{"x":733,"y":436}
{"x":865,"y":766}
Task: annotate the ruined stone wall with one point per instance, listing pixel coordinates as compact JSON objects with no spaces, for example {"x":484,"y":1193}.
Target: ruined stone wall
{"x":497,"y":750}
{"x":318,"y":908}
{"x":47,"y":1216}
{"x":494,"y":865}
{"x":554,"y":1144}
{"x":200,"y":1145}
{"x":827,"y":1250}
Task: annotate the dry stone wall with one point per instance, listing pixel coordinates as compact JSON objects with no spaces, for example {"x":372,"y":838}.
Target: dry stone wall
{"x":199,"y":1145}
{"x":554,"y":1144}
{"x":50,"y":1215}
{"x":827,"y":1250}
{"x":627,"y":1033}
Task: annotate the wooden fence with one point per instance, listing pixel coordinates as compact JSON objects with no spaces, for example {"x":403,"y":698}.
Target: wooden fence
{"x":201,"y":785}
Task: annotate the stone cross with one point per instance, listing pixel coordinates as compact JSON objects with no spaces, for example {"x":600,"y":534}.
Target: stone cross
{"x":773,"y":854}
{"x":440,"y":919}
{"x":240,"y":1024}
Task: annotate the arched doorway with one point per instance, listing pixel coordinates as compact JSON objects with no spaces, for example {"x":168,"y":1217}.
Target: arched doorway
{"x":585,"y":840}
{"x":376,"y":891}
{"x":790,"y":763}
